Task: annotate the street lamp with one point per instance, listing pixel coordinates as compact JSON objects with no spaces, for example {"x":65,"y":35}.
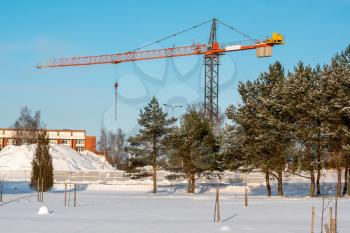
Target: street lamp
{"x":172,"y":107}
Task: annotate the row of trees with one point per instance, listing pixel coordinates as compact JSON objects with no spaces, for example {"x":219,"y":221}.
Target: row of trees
{"x":300,"y":119}
{"x":113,"y":146}
{"x":296,"y":122}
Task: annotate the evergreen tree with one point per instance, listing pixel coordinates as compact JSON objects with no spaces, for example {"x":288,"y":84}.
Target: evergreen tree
{"x":42,"y":168}
{"x":194,"y":147}
{"x":304,"y":99}
{"x":336,"y":111}
{"x":264,"y":125}
{"x":150,"y":140}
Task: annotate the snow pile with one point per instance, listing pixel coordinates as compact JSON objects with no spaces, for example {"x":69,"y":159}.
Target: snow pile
{"x":43,"y":210}
{"x":64,"y":158}
{"x":225,"y":228}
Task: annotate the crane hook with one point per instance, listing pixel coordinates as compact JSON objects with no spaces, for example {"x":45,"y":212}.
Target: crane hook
{"x":115,"y":99}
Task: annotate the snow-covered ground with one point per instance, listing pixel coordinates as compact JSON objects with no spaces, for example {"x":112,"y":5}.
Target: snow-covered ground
{"x":171,"y":212}
{"x":64,"y":158}
{"x":129,"y":206}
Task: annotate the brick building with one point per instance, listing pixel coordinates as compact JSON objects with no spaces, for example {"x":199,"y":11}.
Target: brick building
{"x":77,"y":139}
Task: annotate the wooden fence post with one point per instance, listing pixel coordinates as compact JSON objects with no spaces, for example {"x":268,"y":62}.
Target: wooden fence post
{"x":75,"y":195}
{"x":42,"y":189}
{"x":38,"y":189}
{"x":313,"y":220}
{"x":2,"y":189}
{"x":331,"y":219}
{"x":65,"y":194}
{"x":326,"y":227}
{"x":245,"y":191}
{"x":334,"y":230}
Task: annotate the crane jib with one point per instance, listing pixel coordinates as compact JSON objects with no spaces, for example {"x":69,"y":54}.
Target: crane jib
{"x":196,"y":49}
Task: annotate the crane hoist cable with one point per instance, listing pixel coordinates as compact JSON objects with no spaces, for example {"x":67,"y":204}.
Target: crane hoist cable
{"x":193,"y":27}
{"x":173,"y":35}
{"x":237,"y":31}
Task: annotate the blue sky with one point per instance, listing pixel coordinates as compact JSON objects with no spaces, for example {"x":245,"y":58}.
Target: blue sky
{"x":83,"y":97}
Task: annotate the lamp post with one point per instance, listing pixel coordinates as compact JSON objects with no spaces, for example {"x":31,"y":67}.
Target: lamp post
{"x":172,"y":107}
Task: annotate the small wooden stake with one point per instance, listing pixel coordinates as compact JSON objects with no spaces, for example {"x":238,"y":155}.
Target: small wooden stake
{"x":217,"y":217}
{"x":330,"y":218}
{"x":75,"y":195}
{"x":322,"y":217}
{"x":65,"y":194}
{"x":42,"y":189}
{"x":245,"y":192}
{"x":334,"y":230}
{"x":336,"y":214}
{"x":38,"y":189}
{"x":313,"y":220}
{"x":2,"y":190}
{"x":326,"y":227}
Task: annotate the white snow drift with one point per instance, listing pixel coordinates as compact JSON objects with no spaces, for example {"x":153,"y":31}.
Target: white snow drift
{"x":43,"y":210}
{"x":64,"y":158}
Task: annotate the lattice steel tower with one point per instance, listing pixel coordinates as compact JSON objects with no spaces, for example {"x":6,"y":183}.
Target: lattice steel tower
{"x":211,"y":77}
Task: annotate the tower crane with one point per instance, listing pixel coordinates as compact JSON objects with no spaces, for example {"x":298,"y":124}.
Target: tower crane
{"x":211,"y":51}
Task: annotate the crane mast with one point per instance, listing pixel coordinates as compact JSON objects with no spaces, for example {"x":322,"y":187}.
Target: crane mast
{"x":211,"y":77}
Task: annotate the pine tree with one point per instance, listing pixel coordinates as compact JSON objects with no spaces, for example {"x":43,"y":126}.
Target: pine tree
{"x":263,"y":121}
{"x":193,"y":146}
{"x":304,"y":99}
{"x":150,"y":141}
{"x":42,"y":168}
{"x":336,"y":111}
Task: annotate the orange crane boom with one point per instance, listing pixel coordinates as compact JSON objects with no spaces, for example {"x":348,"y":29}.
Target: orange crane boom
{"x":196,"y":49}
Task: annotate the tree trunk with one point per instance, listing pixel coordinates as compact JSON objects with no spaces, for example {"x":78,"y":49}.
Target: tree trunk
{"x":319,"y":166}
{"x":154,"y":179}
{"x":346,"y":178}
{"x":338,"y":181}
{"x":318,"y":184}
{"x":312,"y":184}
{"x":191,"y":185}
{"x":154,"y":167}
{"x":348,"y":181}
{"x":280,"y":183}
{"x":268,"y":186}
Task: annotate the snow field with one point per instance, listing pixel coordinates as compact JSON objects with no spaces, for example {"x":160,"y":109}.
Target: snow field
{"x":125,"y":212}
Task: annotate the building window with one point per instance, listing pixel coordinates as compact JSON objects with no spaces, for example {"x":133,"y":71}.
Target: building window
{"x":80,"y":149}
{"x":53,"y":141}
{"x":66,"y":142}
{"x":80,"y":142}
{"x":11,"y":141}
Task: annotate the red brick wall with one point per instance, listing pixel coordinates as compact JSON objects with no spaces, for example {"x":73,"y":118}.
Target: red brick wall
{"x":74,"y":144}
{"x":90,"y":143}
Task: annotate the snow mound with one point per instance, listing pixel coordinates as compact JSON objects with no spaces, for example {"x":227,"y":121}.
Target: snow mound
{"x":64,"y":158}
{"x":43,"y":210}
{"x":225,"y":229}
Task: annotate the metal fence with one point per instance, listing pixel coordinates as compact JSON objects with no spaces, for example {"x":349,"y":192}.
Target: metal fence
{"x":101,"y":176}
{"x":78,"y":176}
